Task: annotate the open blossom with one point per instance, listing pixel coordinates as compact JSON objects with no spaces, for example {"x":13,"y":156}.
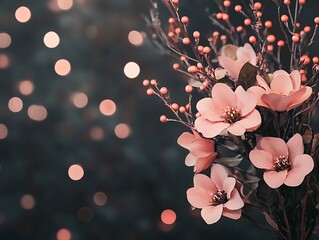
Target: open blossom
{"x":284,"y":163}
{"x":201,"y":151}
{"x":285,"y":91}
{"x":243,"y":54}
{"x":234,"y":111}
{"x":216,"y":196}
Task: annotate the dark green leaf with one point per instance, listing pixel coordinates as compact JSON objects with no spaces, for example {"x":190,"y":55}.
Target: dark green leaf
{"x":247,"y":76}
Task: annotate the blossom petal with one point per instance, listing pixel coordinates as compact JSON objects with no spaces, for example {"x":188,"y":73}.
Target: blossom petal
{"x":190,"y":160}
{"x":198,"y":197}
{"x":286,"y":103}
{"x":233,"y":214}
{"x":246,"y":101}
{"x":263,"y":84}
{"x":296,"y":79}
{"x":275,"y":146}
{"x":259,"y":92}
{"x":247,"y":54}
{"x":204,"y":163}
{"x":261,"y":159}
{"x":224,"y":96}
{"x":274,"y":101}
{"x":212,"y":214}
{"x":235,"y":202}
{"x":275,"y":179}
{"x":236,"y":129}
{"x":251,"y":121}
{"x":218,"y":174}
{"x":201,"y":147}
{"x":297,"y":98}
{"x":209,"y":129}
{"x":202,"y":181}
{"x":302,"y":165}
{"x":295,"y":147}
{"x":228,"y":186}
{"x":281,"y":84}
{"x":231,"y":66}
{"x":209,"y":110}
{"x":185,"y":139}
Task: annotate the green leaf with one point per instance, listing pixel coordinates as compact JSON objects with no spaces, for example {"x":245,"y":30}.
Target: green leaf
{"x":247,"y":76}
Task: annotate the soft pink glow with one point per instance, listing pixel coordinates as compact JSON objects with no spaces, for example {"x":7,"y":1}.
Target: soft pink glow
{"x":51,"y":39}
{"x":65,"y":4}
{"x":100,"y":198}
{"x":5,"y":40}
{"x":3,"y":131}
{"x":76,"y":172}
{"x":168,"y":216}
{"x":15,"y":104}
{"x":135,"y":38}
{"x":131,"y":70}
{"x":62,"y":67}
{"x":26,"y":87}
{"x":27,"y":202}
{"x":63,"y":234}
{"x":97,"y":133}
{"x":107,"y":107}
{"x":23,"y":14}
{"x":37,"y":112}
{"x":122,"y":130}
{"x":4,"y":61}
{"x":79,"y":99}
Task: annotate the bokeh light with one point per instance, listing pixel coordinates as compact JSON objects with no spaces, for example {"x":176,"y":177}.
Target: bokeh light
{"x":97,"y":133}
{"x":79,"y":99}
{"x":122,"y":130}
{"x":63,"y":234}
{"x":5,"y":40}
{"x":37,"y":112}
{"x":15,"y":104}
{"x":4,"y":61}
{"x":51,"y":39}
{"x":23,"y":14}
{"x":168,"y":216}
{"x":65,"y":4}
{"x":100,"y":198}
{"x":26,"y":87}
{"x":27,"y":202}
{"x":62,"y":67}
{"x":76,"y":172}
{"x":135,"y":38}
{"x":3,"y":131}
{"x":131,"y":70}
{"x":107,"y":107}
{"x":85,"y":214}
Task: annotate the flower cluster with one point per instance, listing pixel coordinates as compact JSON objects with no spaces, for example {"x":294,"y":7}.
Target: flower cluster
{"x":252,"y":124}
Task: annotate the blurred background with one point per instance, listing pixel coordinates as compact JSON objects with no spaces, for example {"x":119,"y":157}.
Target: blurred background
{"x":83,"y":155}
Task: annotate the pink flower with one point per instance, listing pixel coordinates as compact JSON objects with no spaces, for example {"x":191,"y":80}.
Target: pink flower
{"x":202,"y":151}
{"x":285,"y":91}
{"x":284,"y":163}
{"x":244,"y":54}
{"x":216,"y":196}
{"x":234,"y":111}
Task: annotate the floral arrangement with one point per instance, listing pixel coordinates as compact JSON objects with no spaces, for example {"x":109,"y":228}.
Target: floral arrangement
{"x":250,"y":139}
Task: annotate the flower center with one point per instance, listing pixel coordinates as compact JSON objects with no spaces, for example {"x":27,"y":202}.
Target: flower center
{"x":231,"y":115}
{"x":282,"y":163}
{"x":220,"y":197}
